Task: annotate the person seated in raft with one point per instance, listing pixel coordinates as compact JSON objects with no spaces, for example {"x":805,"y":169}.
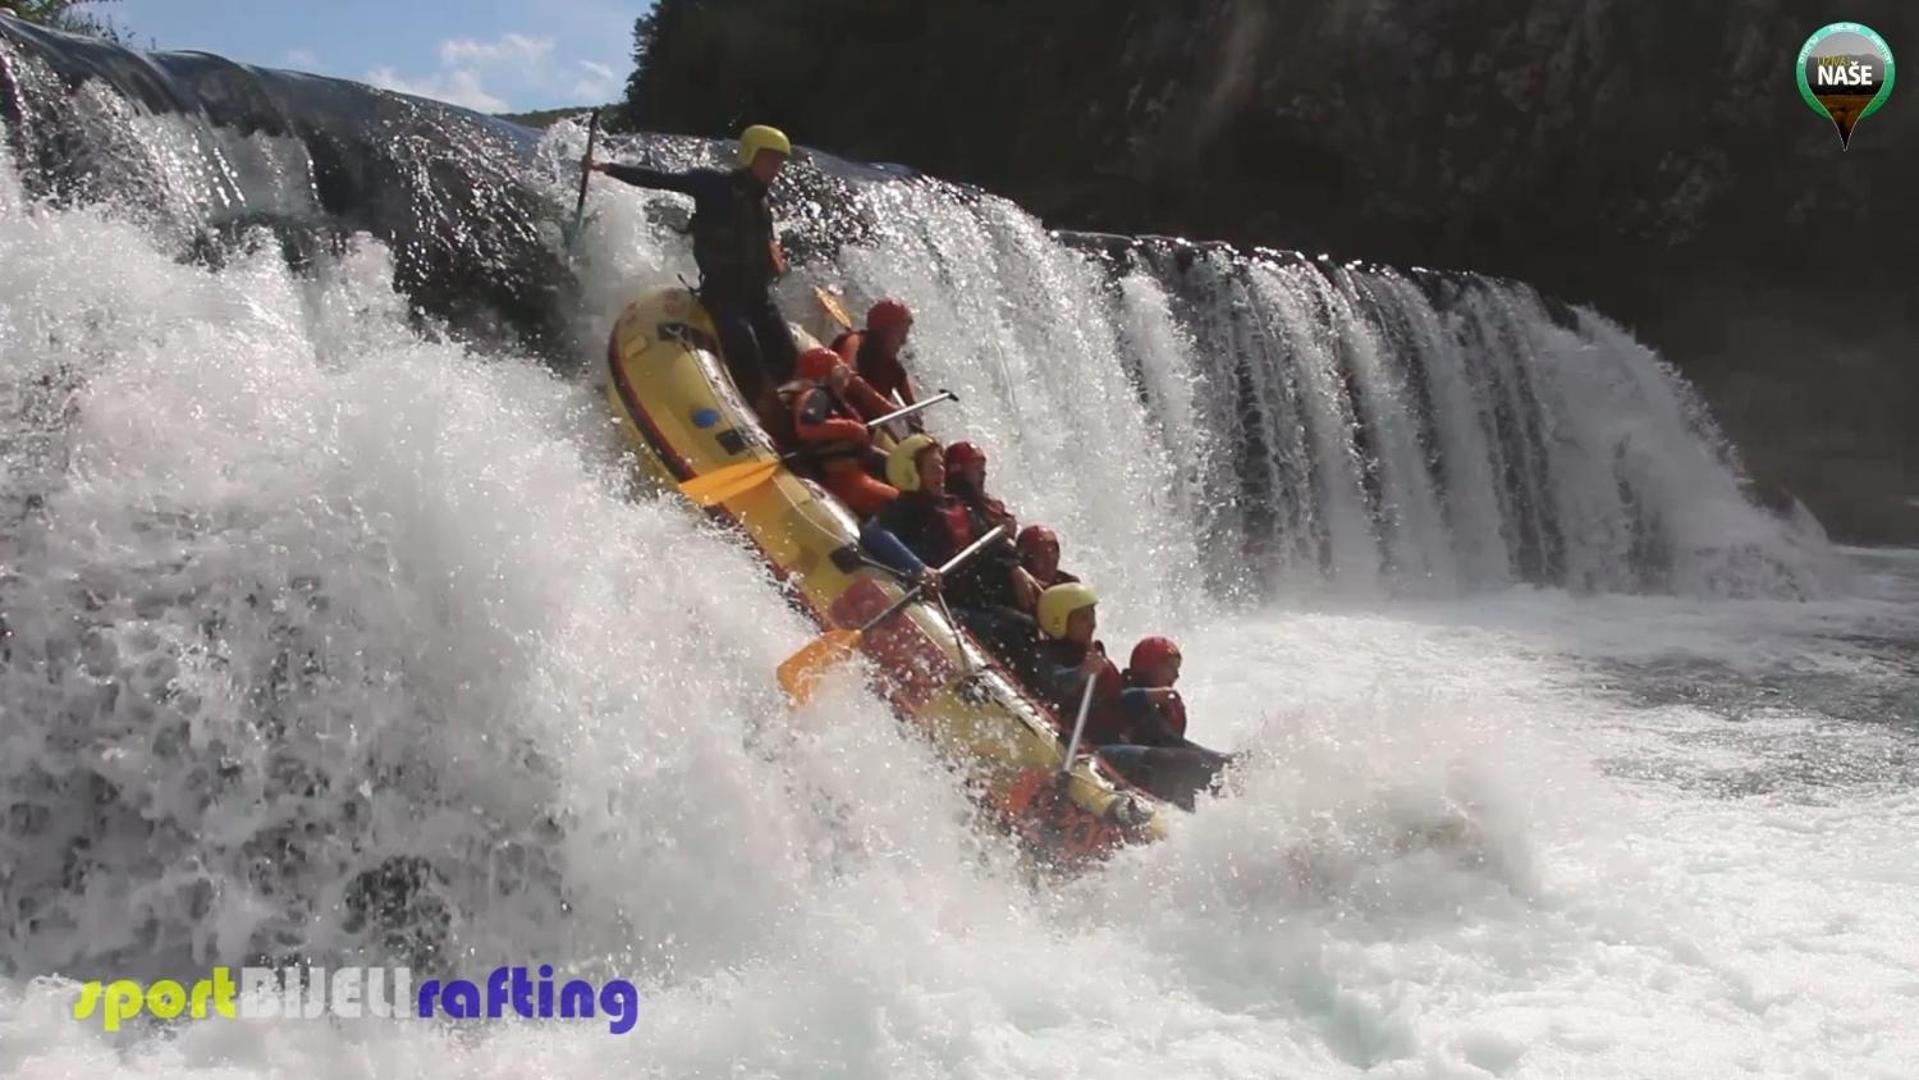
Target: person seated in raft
{"x":737,"y":254}
{"x":966,"y":478}
{"x":875,"y":355}
{"x":1136,"y":720}
{"x":1039,"y":557}
{"x":1158,"y":756}
{"x":827,"y":427}
{"x":1069,"y":655}
{"x":1155,"y":710}
{"x":927,"y":525}
{"x":853,"y":392}
{"x":1039,"y":554}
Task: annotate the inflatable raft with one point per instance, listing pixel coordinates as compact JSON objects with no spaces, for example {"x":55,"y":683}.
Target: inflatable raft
{"x":681,"y":412}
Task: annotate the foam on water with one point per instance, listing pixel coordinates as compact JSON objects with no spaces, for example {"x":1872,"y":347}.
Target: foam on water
{"x":307,"y":593}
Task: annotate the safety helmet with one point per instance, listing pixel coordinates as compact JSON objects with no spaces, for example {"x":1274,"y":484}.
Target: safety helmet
{"x":961,"y":454}
{"x":816,"y":364}
{"x":1152,"y":650}
{"x":1057,"y":604}
{"x":760,"y":137}
{"x":1032,"y":536}
{"x":888,"y":315}
{"x":903,"y":463}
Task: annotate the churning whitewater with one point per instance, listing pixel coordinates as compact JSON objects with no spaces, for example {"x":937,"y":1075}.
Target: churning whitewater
{"x":1569,"y":759}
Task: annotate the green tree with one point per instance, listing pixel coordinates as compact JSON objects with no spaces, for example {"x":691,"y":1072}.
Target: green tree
{"x":67,"y":15}
{"x":997,"y":92}
{"x":652,"y":34}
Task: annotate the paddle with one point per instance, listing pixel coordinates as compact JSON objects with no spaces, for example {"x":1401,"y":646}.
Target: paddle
{"x":832,"y":306}
{"x":1079,"y":725}
{"x":722,"y":484}
{"x":802,"y":671}
{"x":586,"y":171}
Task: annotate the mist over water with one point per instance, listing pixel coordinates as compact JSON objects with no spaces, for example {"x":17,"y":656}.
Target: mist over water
{"x":305,"y":590}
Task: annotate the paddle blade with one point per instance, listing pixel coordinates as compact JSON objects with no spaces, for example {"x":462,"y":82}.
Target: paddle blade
{"x":835,"y":310}
{"x":803,"y":670}
{"x":722,"y":484}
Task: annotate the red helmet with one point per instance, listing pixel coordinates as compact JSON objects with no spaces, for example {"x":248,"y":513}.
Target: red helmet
{"x":888,"y":315}
{"x":961,"y":454}
{"x":1151,"y":651}
{"x":816,"y":364}
{"x":1032,"y":536}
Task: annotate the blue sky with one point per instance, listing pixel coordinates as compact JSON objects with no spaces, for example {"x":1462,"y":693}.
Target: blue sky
{"x":490,"y":55}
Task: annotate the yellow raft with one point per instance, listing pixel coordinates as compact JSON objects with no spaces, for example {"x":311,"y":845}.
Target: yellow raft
{"x":682,"y":413}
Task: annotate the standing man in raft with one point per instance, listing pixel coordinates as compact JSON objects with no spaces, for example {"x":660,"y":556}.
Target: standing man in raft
{"x":738,"y":257}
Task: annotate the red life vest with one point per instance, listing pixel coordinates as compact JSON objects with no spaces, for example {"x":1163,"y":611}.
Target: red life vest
{"x":818,"y":415}
{"x":958,"y":521}
{"x":988,"y":509}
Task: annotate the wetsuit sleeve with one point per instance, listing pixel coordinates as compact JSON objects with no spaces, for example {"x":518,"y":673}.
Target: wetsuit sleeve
{"x":880,"y":542}
{"x":696,"y":182}
{"x":813,"y":422}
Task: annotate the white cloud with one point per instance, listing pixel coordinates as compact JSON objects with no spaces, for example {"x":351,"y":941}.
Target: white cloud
{"x":304,"y":59}
{"x":517,"y":50}
{"x":597,"y":85}
{"x":513,"y":69}
{"x":458,"y":86}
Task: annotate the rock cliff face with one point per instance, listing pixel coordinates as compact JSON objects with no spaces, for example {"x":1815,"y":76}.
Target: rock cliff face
{"x":1654,"y":160}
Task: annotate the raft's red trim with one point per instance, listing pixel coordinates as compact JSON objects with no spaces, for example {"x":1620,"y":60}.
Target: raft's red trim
{"x":682,"y":470}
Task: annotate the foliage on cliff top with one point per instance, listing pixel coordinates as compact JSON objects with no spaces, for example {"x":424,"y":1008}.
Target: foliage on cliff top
{"x":950,"y":86}
{"x":67,"y":15}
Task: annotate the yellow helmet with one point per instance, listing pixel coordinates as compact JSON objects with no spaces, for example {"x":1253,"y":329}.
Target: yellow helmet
{"x":760,"y":137}
{"x":1057,"y":604}
{"x":903,"y":464}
